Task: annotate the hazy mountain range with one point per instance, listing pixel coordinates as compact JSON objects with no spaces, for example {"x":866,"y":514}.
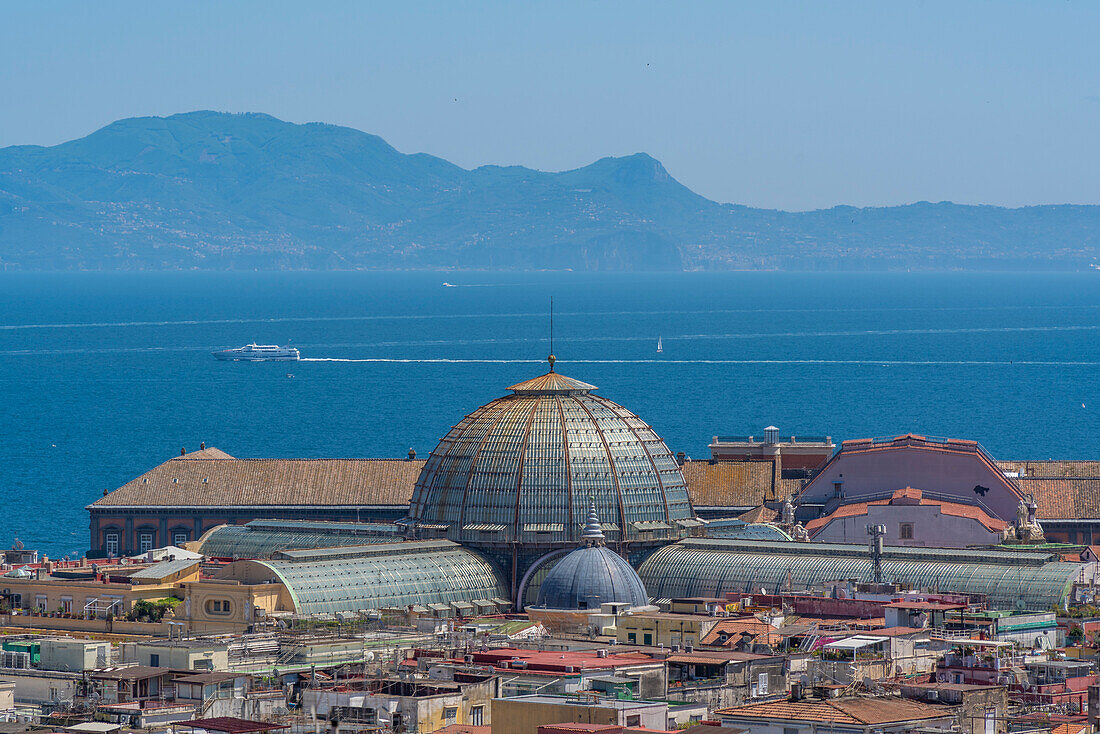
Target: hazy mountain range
{"x":249,"y":191}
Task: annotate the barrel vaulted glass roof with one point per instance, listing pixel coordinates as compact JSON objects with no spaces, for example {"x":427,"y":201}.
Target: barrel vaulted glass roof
{"x":524,"y":467}
{"x":262,"y":538}
{"x":382,"y":576}
{"x":712,"y":567}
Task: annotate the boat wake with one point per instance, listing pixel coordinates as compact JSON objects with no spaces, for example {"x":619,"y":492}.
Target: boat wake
{"x":856,"y":362}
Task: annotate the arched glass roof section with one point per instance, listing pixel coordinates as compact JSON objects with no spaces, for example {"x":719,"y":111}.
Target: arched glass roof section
{"x":262,"y":538}
{"x":383,"y":576}
{"x":712,"y":567}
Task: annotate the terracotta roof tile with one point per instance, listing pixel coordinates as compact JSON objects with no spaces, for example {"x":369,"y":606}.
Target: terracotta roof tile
{"x":1052,"y":468}
{"x":730,"y":483}
{"x":758,"y":514}
{"x":762,"y":632}
{"x":195,"y":482}
{"x":1064,"y":497}
{"x":912,"y":497}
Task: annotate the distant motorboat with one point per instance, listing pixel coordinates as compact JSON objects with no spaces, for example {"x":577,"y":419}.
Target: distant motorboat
{"x":259,"y":353}
{"x":659,"y":347}
{"x":448,"y":285}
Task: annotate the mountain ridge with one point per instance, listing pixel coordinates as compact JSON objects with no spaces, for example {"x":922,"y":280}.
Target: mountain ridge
{"x":213,"y":190}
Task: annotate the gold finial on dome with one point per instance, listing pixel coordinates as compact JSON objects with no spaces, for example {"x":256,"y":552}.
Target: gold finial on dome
{"x":551,"y":359}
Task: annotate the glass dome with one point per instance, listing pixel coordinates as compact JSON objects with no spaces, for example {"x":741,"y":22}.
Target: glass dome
{"x":591,"y":576}
{"x":519,"y":472}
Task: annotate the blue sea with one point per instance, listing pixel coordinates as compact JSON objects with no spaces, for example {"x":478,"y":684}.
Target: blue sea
{"x":106,"y":375}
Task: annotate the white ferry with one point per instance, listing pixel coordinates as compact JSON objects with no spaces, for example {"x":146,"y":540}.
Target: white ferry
{"x":260,"y":353}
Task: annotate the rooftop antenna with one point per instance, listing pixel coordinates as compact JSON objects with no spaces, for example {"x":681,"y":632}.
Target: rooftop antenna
{"x":551,"y":358}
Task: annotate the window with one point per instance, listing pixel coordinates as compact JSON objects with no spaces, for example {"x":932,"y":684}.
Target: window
{"x":906,"y":531}
{"x":145,"y":542}
{"x":40,"y":602}
{"x":790,"y":730}
{"x":634,"y":720}
{"x":67,"y":604}
{"x":648,"y":638}
{"x":631,"y":637}
{"x":154,"y":660}
{"x":179,"y":537}
{"x":220,"y":607}
{"x":477,"y":715}
{"x":450,"y":713}
{"x":110,"y":544}
{"x":762,"y":684}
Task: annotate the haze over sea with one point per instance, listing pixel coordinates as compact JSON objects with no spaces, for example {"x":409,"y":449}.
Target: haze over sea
{"x":106,"y":375}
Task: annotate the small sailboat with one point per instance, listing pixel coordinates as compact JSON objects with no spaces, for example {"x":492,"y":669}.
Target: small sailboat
{"x":659,"y":347}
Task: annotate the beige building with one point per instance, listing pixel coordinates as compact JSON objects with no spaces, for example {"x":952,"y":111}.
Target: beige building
{"x":525,"y":714}
{"x":663,"y":629}
{"x":96,"y":593}
{"x":7,"y":696}
{"x":217,"y":605}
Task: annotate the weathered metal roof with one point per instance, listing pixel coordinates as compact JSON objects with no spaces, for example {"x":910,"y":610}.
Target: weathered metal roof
{"x":164,"y":569}
{"x":710,"y":566}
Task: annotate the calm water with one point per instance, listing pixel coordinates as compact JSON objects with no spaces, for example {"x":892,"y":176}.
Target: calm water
{"x":106,"y":375}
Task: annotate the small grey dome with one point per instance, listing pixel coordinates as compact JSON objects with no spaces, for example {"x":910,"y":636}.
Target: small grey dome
{"x":591,"y":576}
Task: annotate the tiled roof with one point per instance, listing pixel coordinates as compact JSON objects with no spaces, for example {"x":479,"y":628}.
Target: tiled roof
{"x":910,"y":496}
{"x":758,"y":514}
{"x":1052,"y":468}
{"x":859,"y":710}
{"x":205,"y":453}
{"x":703,"y":657}
{"x":1069,"y":728}
{"x":193,"y":482}
{"x":762,"y":632}
{"x":730,"y":483}
{"x":1064,"y":497}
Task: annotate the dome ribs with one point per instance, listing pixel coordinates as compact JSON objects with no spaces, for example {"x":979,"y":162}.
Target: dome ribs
{"x":568,"y":468}
{"x":645,"y":447}
{"x":614,"y":472}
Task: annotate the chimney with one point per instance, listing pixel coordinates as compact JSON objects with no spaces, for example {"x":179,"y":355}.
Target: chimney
{"x":796,"y":691}
{"x":680,"y":457}
{"x":771,"y":435}
{"x":412,"y":454}
{"x":183,"y":451}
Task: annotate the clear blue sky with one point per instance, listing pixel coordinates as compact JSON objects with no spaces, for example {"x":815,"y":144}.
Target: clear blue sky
{"x":788,"y":105}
